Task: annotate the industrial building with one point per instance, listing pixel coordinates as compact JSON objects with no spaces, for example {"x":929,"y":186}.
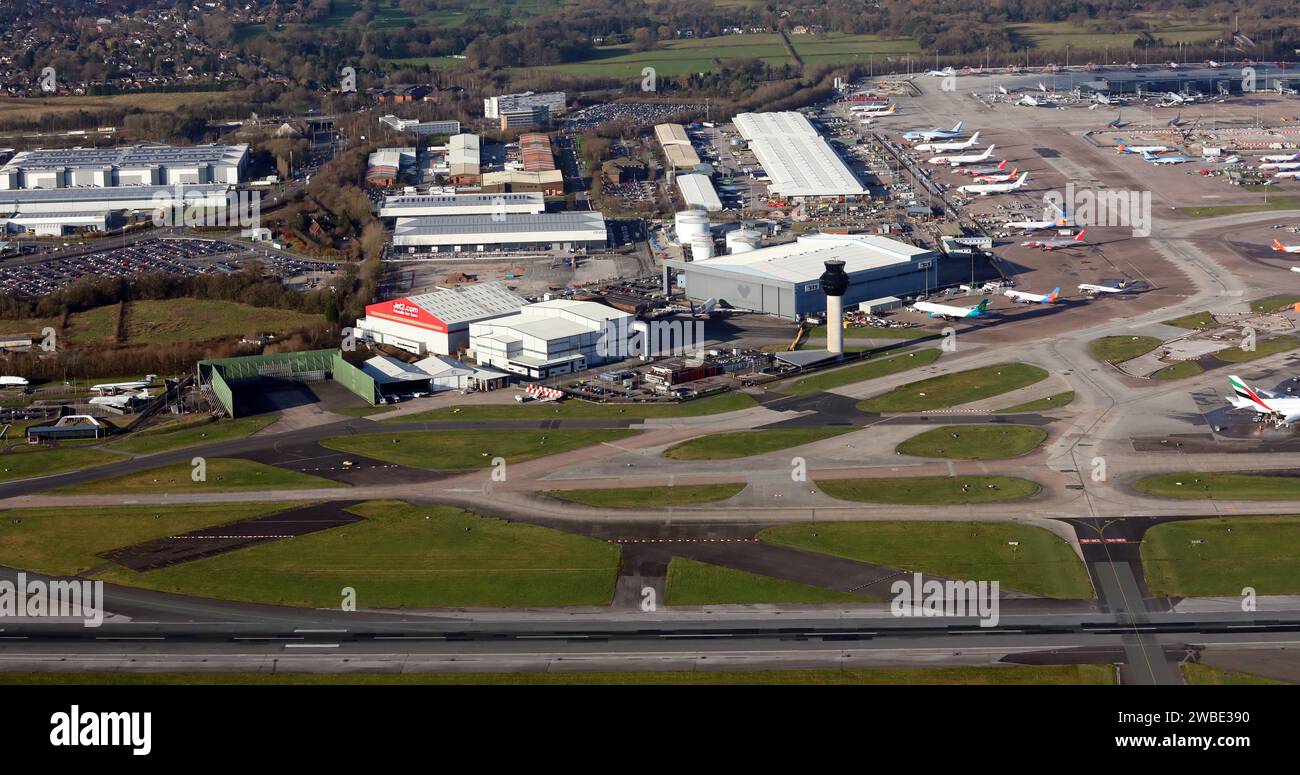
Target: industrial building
{"x":132,"y":166}
{"x":783,"y":280}
{"x":548,"y":182}
{"x":417,"y":127}
{"x":698,"y":192}
{"x":677,"y":147}
{"x":386,"y":165}
{"x":431,"y":375}
{"x":554,"y":103}
{"x":535,"y":153}
{"x":525,"y":117}
{"x":552,"y":338}
{"x":436,"y":322}
{"x":419,"y":205}
{"x":61,"y":211}
{"x":463,"y":160}
{"x":512,"y":232}
{"x":798,"y":160}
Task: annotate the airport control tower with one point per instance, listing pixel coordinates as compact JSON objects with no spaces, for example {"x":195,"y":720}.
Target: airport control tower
{"x":834,"y":283}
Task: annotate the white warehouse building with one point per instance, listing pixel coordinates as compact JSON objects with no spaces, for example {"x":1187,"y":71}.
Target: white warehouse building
{"x":552,"y":338}
{"x":565,"y":231}
{"x":145,"y":165}
{"x":795,"y":157}
{"x":436,"y":322}
{"x":419,"y":205}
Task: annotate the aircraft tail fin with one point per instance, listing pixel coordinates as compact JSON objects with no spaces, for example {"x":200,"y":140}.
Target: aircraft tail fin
{"x":1079,"y":237}
{"x":1244,"y":392}
{"x":1278,"y":246}
{"x":1055,"y":294}
{"x":981,"y":307}
{"x":957,"y":127}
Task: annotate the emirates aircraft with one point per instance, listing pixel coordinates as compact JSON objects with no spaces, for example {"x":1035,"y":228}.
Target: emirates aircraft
{"x":1277,"y":408}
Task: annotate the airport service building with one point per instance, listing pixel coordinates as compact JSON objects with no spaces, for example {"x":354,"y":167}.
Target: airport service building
{"x":145,"y":165}
{"x":784,"y":280}
{"x":436,"y":322}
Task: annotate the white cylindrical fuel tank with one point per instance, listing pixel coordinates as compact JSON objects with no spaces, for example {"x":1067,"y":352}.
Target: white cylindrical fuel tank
{"x":743,"y":241}
{"x":702,"y":247}
{"x":691,"y":224}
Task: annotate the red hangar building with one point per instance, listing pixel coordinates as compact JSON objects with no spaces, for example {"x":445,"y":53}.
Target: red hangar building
{"x":437,"y":322}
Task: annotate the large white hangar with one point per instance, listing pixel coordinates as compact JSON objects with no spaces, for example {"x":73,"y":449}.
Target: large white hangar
{"x":418,"y":205}
{"x":784,"y":280}
{"x":144,"y":165}
{"x":500,"y":233}
{"x":436,"y":322}
{"x":798,"y":160}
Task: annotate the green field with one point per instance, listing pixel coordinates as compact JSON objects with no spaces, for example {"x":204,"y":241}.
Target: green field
{"x":1214,"y":211}
{"x":27,"y":462}
{"x":1179,"y":370}
{"x":974,"y":442}
{"x":1194,"y":321}
{"x":443,"y":451}
{"x":65,"y":542}
{"x":1045,"y":404}
{"x":577,"y":408}
{"x":1196,"y":674}
{"x":189,"y":431}
{"x":168,"y":321}
{"x":929,"y":490}
{"x":404,"y":556}
{"x":1232,"y":553}
{"x":1008,"y":675}
{"x":649,"y":497}
{"x":697,"y":583}
{"x":955,"y":389}
{"x":1220,"y":486}
{"x":1263,"y":349}
{"x":1274,"y":303}
{"x":222,"y":474}
{"x":1055,"y":36}
{"x":1042,"y":564}
{"x":725,"y":446}
{"x":860,"y":372}
{"x":1117,"y":349}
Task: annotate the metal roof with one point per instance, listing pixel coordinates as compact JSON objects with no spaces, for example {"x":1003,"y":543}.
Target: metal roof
{"x":136,"y":156}
{"x":803,"y":260}
{"x":468,"y":302}
{"x":698,"y":191}
{"x":798,"y":160}
{"x":583,"y":225}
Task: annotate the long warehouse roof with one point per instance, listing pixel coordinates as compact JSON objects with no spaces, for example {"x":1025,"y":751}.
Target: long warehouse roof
{"x":804,"y":259}
{"x":490,"y":229}
{"x":698,"y":191}
{"x":798,"y":160}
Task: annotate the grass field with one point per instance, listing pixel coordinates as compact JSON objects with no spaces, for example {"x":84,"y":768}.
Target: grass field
{"x":725,"y":446}
{"x":168,"y":321}
{"x":649,"y":497}
{"x":441,"y":451}
{"x":1197,"y":674}
{"x":24,"y":462}
{"x":1044,"y":404}
{"x":1194,"y":321}
{"x":1179,"y":370}
{"x":1213,"y":211}
{"x":222,"y":474}
{"x":404,"y":556}
{"x":1117,"y":349}
{"x":955,"y":389}
{"x":1188,"y":485}
{"x":1274,"y":303}
{"x":1055,"y":36}
{"x":576,"y":408}
{"x":64,"y":542}
{"x":161,"y":102}
{"x":189,"y":431}
{"x":1042,"y":564}
{"x":929,"y":490}
{"x":1232,"y":553}
{"x":860,"y":372}
{"x":697,"y":583}
{"x":974,"y":442}
{"x":1263,"y":349}
{"x":1019,"y":675}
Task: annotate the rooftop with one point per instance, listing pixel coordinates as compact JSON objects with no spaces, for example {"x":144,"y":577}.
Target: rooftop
{"x":798,"y":160}
{"x":804,"y":259}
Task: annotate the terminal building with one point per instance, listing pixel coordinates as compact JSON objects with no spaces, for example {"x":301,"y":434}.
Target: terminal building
{"x":552,"y":337}
{"x":567,"y":231}
{"x":784,"y":280}
{"x":798,"y":160}
{"x":436,"y":322}
{"x":150,"y":165}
